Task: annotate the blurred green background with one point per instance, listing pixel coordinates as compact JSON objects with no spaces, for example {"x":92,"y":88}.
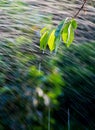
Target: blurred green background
{"x":40,"y":90}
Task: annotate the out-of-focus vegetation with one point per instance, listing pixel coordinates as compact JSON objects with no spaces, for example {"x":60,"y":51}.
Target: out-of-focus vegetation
{"x":32,"y":82}
{"x":26,"y":90}
{"x":77,"y":68}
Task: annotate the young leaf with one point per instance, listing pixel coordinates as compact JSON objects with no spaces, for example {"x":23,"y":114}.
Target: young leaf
{"x":51,"y":40}
{"x":74,"y":23}
{"x":65,"y":33}
{"x":43,"y":30}
{"x":57,"y":43}
{"x":44,"y":40}
{"x":68,"y":34}
{"x":59,"y":28}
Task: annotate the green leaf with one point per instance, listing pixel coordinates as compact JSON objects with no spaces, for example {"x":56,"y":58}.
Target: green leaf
{"x":43,"y":30}
{"x":65,"y":33}
{"x":74,"y":23}
{"x":51,"y":40}
{"x":44,"y":40}
{"x":57,"y":43}
{"x":68,"y":34}
{"x":59,"y":28}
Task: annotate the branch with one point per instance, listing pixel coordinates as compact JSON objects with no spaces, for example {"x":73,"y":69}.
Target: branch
{"x":80,"y":8}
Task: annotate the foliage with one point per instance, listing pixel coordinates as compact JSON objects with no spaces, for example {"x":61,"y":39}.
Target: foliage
{"x":52,"y":37}
{"x":25,"y":106}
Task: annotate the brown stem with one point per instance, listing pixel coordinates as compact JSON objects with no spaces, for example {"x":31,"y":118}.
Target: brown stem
{"x":80,"y":9}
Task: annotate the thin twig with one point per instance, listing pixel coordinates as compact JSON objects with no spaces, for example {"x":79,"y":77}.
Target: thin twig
{"x":80,"y":8}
